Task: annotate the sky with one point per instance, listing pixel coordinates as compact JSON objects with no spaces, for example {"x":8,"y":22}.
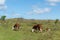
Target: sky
{"x":30,"y":9}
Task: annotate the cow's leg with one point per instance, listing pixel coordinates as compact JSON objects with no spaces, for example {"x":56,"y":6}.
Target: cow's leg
{"x":40,"y":30}
{"x":33,"y":30}
{"x":12,"y":28}
{"x":17,"y":28}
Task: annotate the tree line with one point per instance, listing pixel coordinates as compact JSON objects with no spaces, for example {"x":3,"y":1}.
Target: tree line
{"x":4,"y":17}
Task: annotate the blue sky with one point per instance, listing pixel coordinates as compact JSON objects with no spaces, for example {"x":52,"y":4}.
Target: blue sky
{"x":30,"y":9}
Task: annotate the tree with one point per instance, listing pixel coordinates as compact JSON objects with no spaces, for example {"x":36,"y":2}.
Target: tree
{"x":3,"y":18}
{"x":56,"y":21}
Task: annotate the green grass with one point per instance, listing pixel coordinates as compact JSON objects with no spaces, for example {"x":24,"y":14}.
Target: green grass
{"x":6,"y":33}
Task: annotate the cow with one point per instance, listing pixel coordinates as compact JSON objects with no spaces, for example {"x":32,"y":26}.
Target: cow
{"x":16,"y":27}
{"x":48,"y":29}
{"x":37,"y":27}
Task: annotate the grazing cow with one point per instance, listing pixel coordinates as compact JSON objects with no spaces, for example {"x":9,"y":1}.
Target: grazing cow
{"x":16,"y":27}
{"x":37,"y":27}
{"x":48,"y":29}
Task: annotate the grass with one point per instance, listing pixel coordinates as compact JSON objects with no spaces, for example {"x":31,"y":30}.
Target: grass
{"x":6,"y":33}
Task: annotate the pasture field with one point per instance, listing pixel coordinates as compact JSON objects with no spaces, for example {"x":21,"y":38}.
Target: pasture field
{"x":6,"y":32}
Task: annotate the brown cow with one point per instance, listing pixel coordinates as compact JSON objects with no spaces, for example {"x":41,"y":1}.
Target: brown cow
{"x":37,"y":27}
{"x":16,"y":27}
{"x":48,"y":29}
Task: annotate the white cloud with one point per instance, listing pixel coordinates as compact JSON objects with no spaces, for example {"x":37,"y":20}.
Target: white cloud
{"x":2,"y":1}
{"x":2,"y":5}
{"x":38,"y":10}
{"x":53,"y":2}
{"x":47,"y":9}
{"x":30,"y":12}
{"x":6,"y":14}
{"x":16,"y":14}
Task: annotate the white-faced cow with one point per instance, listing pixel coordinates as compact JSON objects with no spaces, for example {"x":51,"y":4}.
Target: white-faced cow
{"x":16,"y":27}
{"x":37,"y":27}
{"x":48,"y":29}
